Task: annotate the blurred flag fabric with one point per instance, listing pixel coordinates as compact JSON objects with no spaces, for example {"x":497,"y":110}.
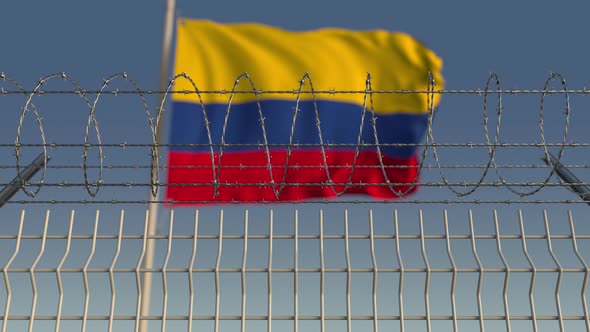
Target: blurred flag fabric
{"x":246,"y":169}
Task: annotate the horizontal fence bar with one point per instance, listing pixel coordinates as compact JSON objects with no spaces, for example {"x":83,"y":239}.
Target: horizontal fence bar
{"x":303,"y":318}
{"x":302,"y":270}
{"x":303,"y":237}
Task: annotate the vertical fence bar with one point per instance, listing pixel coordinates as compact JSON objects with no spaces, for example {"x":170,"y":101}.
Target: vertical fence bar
{"x":348,"y":273}
{"x":586,"y":270}
{"x":85,"y":271}
{"x":533,"y":275}
{"x":270,"y":235}
{"x":296,"y":272}
{"x":243,"y":273}
{"x":5,"y":271}
{"x":111,"y":272}
{"x":217,"y":266}
{"x":506,"y":275}
{"x":58,"y":273}
{"x":164,"y":270}
{"x":322,"y":276}
{"x":454,"y":277}
{"x":480,"y":272}
{"x":427,"y":281}
{"x":401,"y":273}
{"x":32,"y":272}
{"x":375,"y":270}
{"x":137,"y":271}
{"x":559,"y":274}
{"x":191,"y":286}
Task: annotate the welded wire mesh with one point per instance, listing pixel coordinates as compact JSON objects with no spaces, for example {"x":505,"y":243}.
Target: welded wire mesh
{"x":288,"y":278}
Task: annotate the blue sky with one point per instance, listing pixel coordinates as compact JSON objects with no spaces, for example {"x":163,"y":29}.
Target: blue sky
{"x":521,"y":41}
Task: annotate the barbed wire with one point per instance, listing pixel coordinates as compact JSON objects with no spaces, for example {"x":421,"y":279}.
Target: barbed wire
{"x":299,"y":202}
{"x":216,"y":150}
{"x":296,"y":145}
{"x":426,"y":166}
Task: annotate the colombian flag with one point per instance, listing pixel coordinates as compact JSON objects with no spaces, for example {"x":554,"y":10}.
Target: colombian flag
{"x":234,"y":147}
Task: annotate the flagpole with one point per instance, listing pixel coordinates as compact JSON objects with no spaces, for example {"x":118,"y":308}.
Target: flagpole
{"x":153,"y":207}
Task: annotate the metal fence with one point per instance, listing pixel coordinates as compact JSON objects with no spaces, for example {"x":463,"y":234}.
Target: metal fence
{"x":473,"y":249}
{"x":385,"y":278}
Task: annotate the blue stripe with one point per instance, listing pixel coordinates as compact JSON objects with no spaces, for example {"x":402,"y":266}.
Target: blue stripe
{"x":340,"y":123}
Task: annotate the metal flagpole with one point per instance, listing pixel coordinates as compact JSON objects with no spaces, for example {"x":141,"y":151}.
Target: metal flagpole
{"x":153,"y":207}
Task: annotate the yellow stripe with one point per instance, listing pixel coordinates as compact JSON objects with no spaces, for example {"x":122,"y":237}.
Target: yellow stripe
{"x":214,"y":55}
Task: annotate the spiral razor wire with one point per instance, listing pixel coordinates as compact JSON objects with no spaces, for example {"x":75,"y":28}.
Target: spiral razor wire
{"x":91,"y":99}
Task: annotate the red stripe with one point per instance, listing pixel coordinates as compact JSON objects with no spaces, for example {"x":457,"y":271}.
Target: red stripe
{"x":256,"y":172}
